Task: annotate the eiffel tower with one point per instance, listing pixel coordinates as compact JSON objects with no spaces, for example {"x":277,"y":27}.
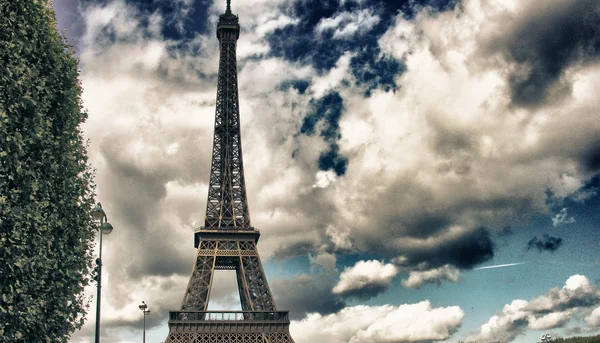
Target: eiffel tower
{"x":227,"y":241}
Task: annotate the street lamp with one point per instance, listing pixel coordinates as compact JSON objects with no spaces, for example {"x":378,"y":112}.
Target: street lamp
{"x":105,"y":228}
{"x":146,"y":312}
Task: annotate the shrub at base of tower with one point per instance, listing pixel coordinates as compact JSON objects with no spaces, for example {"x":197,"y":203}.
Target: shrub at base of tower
{"x":46,"y":184}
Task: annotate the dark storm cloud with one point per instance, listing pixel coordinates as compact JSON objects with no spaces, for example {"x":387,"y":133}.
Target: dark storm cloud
{"x":464,"y":250}
{"x":293,"y":294}
{"x":419,"y":235}
{"x":164,"y":260}
{"x":590,"y":156}
{"x":546,"y":243}
{"x":468,"y":250}
{"x":287,"y":251}
{"x":550,"y":37}
{"x":427,"y":223}
{"x":365,"y":293}
{"x":449,"y":140}
{"x":139,"y":187}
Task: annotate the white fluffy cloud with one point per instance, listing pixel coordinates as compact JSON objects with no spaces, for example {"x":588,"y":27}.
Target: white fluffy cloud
{"x":593,"y":319}
{"x":551,"y":310}
{"x":348,"y":24}
{"x":551,"y":320}
{"x":561,"y":218}
{"x":417,"y":278}
{"x":361,"y":324}
{"x":365,"y":279}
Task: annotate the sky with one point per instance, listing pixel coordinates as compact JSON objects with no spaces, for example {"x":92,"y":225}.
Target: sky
{"x":420,"y":171}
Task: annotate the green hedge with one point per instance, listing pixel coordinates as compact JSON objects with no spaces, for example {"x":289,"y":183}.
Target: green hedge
{"x":46,"y":184}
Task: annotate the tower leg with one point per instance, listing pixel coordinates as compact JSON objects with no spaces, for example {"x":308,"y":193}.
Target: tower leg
{"x":198,"y":290}
{"x":260,"y":322}
{"x":251,"y":277}
{"x":256,"y":283}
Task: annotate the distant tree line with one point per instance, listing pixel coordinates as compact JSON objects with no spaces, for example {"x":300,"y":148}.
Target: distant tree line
{"x":588,"y":339}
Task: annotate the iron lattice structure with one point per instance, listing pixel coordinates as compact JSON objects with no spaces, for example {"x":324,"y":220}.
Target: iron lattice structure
{"x":227,"y":240}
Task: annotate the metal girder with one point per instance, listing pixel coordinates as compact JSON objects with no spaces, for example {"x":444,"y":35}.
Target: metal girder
{"x":241,"y":256}
{"x":227,"y":205}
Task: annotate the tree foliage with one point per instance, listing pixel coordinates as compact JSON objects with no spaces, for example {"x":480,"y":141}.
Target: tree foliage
{"x":589,"y":339}
{"x":46,"y":186}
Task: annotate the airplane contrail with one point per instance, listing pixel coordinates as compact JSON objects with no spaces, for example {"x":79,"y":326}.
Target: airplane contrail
{"x":501,"y":265}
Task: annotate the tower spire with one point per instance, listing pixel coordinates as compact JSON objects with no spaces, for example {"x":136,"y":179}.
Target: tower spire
{"x":228,"y":6}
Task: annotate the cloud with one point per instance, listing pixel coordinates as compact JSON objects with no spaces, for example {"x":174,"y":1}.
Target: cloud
{"x":292,"y":293}
{"x":365,"y":279}
{"x":552,"y":310}
{"x":546,"y":243}
{"x":593,"y":319}
{"x":327,"y":112}
{"x":356,"y":32}
{"x":561,"y":218}
{"x":407,"y":168}
{"x":345,"y":25}
{"x":551,"y":320}
{"x":325,"y":260}
{"x":405,"y":323}
{"x":275,"y":23}
{"x":340,"y":238}
{"x":325,"y":178}
{"x":541,"y":43}
{"x":506,"y":326}
{"x":577,"y":292}
{"x":436,"y":276}
{"x":463,"y":248}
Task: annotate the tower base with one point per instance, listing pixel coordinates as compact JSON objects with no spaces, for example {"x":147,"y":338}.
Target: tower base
{"x":229,"y":327}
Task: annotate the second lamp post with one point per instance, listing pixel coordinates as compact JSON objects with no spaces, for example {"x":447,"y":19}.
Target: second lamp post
{"x":146,"y":312}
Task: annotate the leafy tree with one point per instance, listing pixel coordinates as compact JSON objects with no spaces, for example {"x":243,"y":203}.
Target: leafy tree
{"x":46,"y":183}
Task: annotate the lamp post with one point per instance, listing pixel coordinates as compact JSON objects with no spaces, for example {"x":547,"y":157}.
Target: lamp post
{"x":105,"y":228}
{"x":146,"y":312}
